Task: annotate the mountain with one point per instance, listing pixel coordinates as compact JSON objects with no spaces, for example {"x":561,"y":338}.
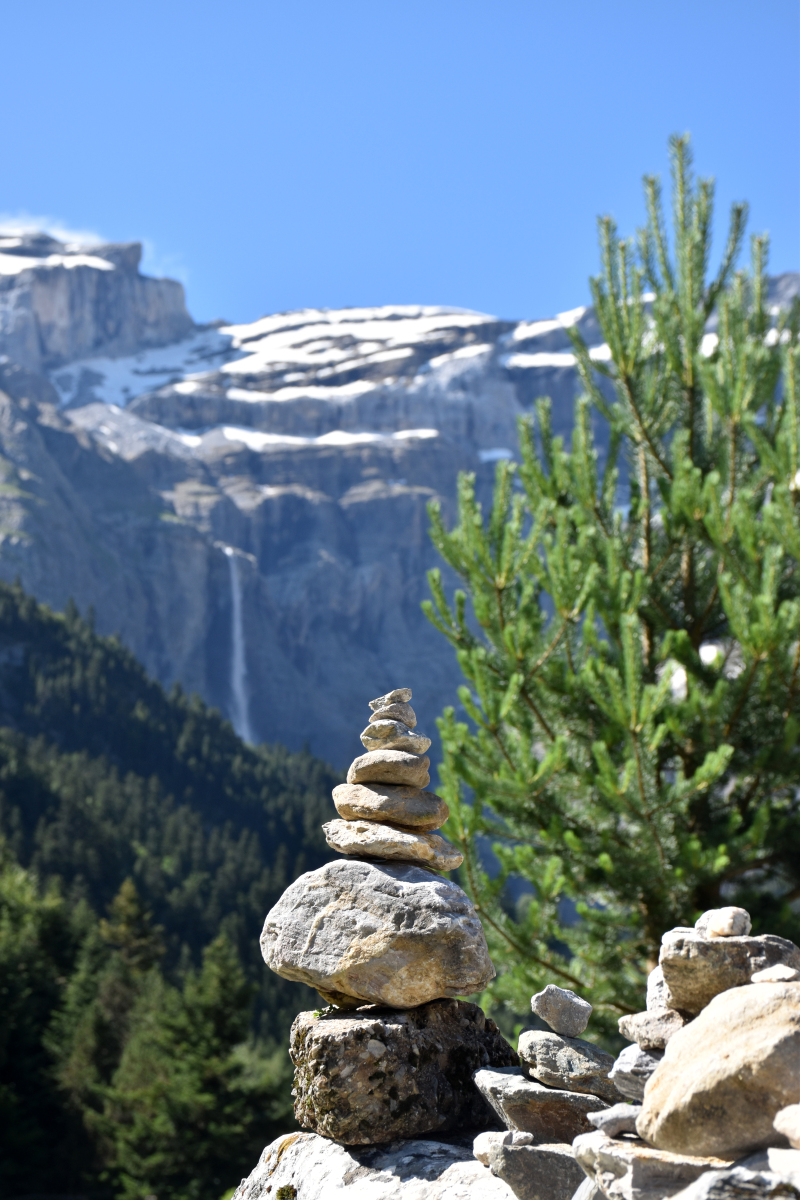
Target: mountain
{"x":246,"y":504}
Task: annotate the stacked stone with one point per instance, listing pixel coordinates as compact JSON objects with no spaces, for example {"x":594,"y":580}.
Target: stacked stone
{"x":388,"y":943}
{"x":713,"y":1073}
{"x":385,"y":812}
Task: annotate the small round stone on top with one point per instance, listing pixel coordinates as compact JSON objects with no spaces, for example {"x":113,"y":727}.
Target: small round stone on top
{"x":563,"y":1011}
{"x":398,"y":696}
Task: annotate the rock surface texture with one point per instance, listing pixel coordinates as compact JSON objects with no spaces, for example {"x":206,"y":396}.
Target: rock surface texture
{"x":378,"y":1075}
{"x":381,"y":934}
{"x":651,"y":1030}
{"x":378,"y":840}
{"x":304,"y":1166}
{"x":696,"y":968}
{"x":632,"y":1069}
{"x":568,"y":1063}
{"x":631,"y":1170}
{"x":423,"y":811}
{"x":390,"y":766}
{"x":725,"y":1076}
{"x":563,"y":1011}
{"x":538,"y":1172}
{"x":524,"y":1105}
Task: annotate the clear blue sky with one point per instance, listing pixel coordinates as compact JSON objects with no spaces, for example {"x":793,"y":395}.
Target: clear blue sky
{"x":304,"y":153}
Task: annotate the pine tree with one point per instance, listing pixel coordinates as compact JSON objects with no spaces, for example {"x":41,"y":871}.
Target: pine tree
{"x":632,"y":653}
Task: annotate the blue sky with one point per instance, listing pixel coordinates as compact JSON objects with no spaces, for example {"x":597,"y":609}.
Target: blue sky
{"x":283,"y":155}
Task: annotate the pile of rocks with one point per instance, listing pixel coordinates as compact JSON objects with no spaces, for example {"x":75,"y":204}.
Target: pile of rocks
{"x":714,"y":1073}
{"x":395,"y":1079}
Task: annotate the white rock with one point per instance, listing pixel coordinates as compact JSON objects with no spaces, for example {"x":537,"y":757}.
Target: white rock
{"x":563,"y":1011}
{"x":627,"y":1169}
{"x":787,"y":1123}
{"x":393,"y":935}
{"x":491,"y":1137}
{"x":780,"y":973}
{"x":310,"y":1167}
{"x":724,"y":922}
{"x":377,"y":840}
{"x":423,"y":811}
{"x":393,"y":735}
{"x":658,"y":994}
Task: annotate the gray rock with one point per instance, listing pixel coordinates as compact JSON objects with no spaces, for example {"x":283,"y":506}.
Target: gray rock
{"x":588,"y":1190}
{"x":568,"y":1063}
{"x":305,"y":1166}
{"x":725,"y":1076}
{"x":651,"y":1030}
{"x":724,"y":922}
{"x":398,"y":696}
{"x":381,"y":934}
{"x":551,"y":1115}
{"x":391,"y":766}
{"x":658,"y":994}
{"x":564,"y":1011}
{"x":621,"y":1118}
{"x":489,"y":1138}
{"x":393,"y":735}
{"x":378,"y":1074}
{"x":778,"y":1160}
{"x":411,"y":806}
{"x":787,"y":1123}
{"x":696,"y":969}
{"x":540,"y":1172}
{"x":627,"y":1169}
{"x":632,"y":1069}
{"x":741,"y":1182}
{"x":403,"y":713}
{"x":780,"y":973}
{"x":377,"y":840}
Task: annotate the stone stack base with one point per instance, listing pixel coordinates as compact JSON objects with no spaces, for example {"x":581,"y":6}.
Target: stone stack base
{"x":379,"y":1074}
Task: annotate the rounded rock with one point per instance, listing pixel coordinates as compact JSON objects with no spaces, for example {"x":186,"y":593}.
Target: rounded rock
{"x":377,"y":840}
{"x":410,"y":806}
{"x":398,"y":696}
{"x":724,"y":922}
{"x":391,"y":766}
{"x":391,"y":935}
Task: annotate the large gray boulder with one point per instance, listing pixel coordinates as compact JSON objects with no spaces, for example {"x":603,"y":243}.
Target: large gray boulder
{"x":378,"y":934}
{"x":725,"y":1076}
{"x":523,"y":1105}
{"x":304,"y":1166}
{"x":696,"y":968}
{"x":568,"y":1063}
{"x":538,"y":1172}
{"x":378,"y":1075}
{"x":629,"y":1170}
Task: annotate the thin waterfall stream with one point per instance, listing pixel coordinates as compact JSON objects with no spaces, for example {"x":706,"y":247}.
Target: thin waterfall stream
{"x":240,"y":714}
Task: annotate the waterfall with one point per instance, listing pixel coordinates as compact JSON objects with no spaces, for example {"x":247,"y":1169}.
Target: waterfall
{"x":240,"y":716}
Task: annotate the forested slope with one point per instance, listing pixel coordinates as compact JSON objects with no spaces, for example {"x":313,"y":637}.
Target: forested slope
{"x":142,"y":844}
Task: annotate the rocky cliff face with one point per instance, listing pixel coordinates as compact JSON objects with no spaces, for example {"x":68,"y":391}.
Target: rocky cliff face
{"x":245,"y":504}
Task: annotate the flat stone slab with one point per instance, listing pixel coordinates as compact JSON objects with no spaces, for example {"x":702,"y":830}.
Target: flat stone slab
{"x":539,"y":1172}
{"x":423,"y":811}
{"x":726,"y":1075}
{"x":391,"y":766}
{"x":378,"y":840}
{"x":393,"y":735}
{"x":305,"y":1166}
{"x":550,"y":1114}
{"x":377,"y":933}
{"x":379,"y":1074}
{"x":568,"y":1063}
{"x":398,"y":710}
{"x":771,"y":1175}
{"x":398,"y":696}
{"x":627,"y":1169}
{"x":696,"y":969}
{"x":620,"y":1118}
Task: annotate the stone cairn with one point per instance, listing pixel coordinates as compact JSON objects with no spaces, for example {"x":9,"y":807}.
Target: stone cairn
{"x":411,"y":1094}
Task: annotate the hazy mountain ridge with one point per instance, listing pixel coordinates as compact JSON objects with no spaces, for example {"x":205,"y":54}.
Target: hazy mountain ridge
{"x":270,"y":478}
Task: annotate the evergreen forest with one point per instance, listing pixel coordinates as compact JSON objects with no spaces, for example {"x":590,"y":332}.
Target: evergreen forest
{"x":142,"y":1040}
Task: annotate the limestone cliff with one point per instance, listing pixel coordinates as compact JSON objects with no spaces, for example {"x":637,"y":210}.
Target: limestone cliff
{"x":245,"y":504}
